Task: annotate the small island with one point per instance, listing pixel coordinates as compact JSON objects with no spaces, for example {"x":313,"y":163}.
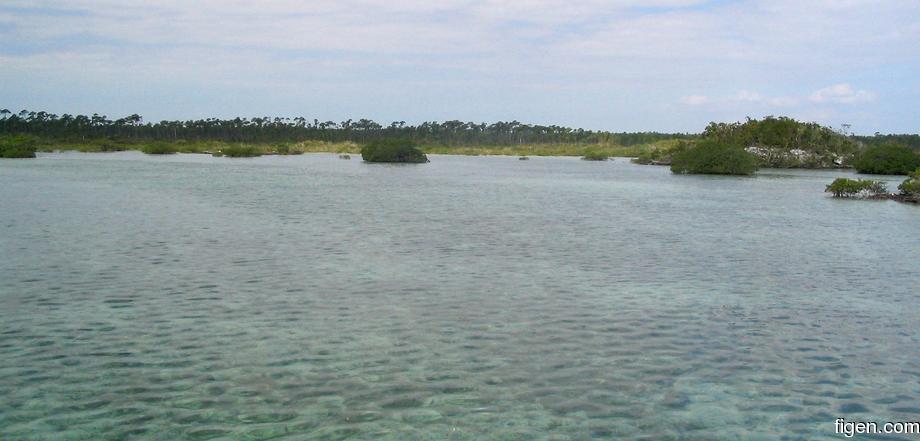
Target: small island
{"x":884,"y":159}
{"x":714,"y":158}
{"x":774,"y":142}
{"x":874,"y":190}
{"x":393,"y":151}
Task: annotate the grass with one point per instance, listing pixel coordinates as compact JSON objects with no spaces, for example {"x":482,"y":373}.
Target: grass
{"x":21,"y":146}
{"x":296,"y":148}
{"x":182,"y":146}
{"x":592,"y":155}
{"x":159,"y":148}
{"x":607,"y":150}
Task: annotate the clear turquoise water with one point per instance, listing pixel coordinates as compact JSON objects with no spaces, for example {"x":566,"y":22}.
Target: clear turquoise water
{"x":190,"y":297}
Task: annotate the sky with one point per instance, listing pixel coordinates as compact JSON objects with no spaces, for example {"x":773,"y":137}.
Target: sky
{"x":619,"y":65}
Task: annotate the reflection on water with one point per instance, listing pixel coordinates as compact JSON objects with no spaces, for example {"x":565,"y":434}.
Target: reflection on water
{"x":191,"y":297}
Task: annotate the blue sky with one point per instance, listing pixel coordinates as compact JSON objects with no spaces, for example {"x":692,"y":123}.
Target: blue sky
{"x":627,"y":65}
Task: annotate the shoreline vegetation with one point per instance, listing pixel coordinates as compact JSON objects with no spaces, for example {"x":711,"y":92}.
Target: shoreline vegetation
{"x":721,"y":148}
{"x":216,"y":148}
{"x":870,"y":189}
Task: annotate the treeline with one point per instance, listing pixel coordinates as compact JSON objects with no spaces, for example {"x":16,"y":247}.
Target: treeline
{"x":784,"y":133}
{"x":912,"y":141}
{"x":274,"y":130}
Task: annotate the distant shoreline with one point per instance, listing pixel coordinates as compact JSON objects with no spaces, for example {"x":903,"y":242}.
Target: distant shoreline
{"x":347,"y":148}
{"x":294,"y":148}
{"x":266,"y":149}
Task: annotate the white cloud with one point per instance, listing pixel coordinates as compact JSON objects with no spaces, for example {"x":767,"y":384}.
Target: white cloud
{"x":623,"y":50}
{"x":695,"y":100}
{"x":745,"y":95}
{"x":841,"y":93}
{"x":782,"y":101}
{"x":750,"y":97}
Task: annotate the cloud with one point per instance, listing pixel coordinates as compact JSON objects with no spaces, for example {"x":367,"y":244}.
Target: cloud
{"x":750,"y":97}
{"x":600,"y":57}
{"x":841,"y":93}
{"x":695,"y":100}
{"x":745,"y":95}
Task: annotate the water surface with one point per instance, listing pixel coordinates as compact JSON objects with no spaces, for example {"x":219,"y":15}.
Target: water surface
{"x":189,"y":298}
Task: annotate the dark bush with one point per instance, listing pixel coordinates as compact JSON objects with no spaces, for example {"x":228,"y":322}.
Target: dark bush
{"x":107,"y":146}
{"x":393,"y":150}
{"x":240,"y":151}
{"x":887,"y":159}
{"x":714,"y":157}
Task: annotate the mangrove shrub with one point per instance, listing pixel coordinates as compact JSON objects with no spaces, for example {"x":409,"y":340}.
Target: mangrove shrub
{"x":393,"y":150}
{"x":910,"y":188}
{"x":159,"y":148}
{"x":887,"y":159}
{"x":592,"y":155}
{"x":714,"y":157}
{"x":845,"y":188}
{"x":18,"y":146}
{"x":661,"y":156}
{"x":241,"y":151}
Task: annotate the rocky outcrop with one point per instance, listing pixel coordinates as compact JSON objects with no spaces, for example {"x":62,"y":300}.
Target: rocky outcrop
{"x":777,"y":157}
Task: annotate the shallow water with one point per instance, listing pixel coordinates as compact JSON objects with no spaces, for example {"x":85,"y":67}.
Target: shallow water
{"x":308,"y":297}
